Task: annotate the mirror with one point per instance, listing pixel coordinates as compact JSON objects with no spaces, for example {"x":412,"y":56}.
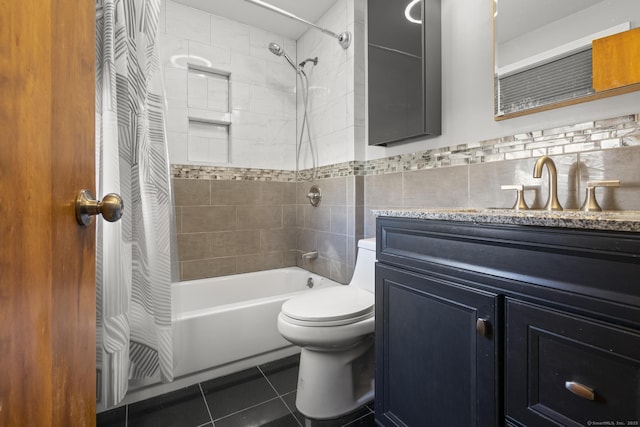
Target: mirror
{"x":543,"y":55}
{"x":403,"y":70}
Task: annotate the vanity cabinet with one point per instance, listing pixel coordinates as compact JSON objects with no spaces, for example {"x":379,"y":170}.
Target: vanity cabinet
{"x":435,"y":363}
{"x":483,"y":324}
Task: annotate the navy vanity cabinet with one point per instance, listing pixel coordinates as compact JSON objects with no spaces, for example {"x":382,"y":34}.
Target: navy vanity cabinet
{"x":435,"y":351}
{"x":486,"y":325}
{"x":569,"y":370}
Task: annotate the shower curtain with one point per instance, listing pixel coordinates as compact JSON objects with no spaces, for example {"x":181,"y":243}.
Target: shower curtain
{"x":134,"y":268}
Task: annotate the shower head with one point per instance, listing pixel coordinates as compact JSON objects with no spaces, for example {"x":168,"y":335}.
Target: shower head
{"x":277,"y":50}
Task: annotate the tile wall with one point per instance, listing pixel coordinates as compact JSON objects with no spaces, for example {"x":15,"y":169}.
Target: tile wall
{"x":263,"y":92}
{"x":337,"y":100}
{"x":229,"y":226}
{"x":470,"y":175}
{"x":213,"y":204}
{"x":250,"y":214}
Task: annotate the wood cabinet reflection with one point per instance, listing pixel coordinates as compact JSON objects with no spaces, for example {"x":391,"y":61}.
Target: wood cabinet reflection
{"x":543,"y":52}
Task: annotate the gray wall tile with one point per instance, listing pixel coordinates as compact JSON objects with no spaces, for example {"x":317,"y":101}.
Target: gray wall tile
{"x":277,"y":240}
{"x":241,"y":242}
{"x":267,"y":224}
{"x":307,"y":240}
{"x":289,"y":218}
{"x":194,"y":246}
{"x":383,"y":190}
{"x":317,"y":218}
{"x":235,"y":193}
{"x":257,"y":217}
{"x":339,"y":219}
{"x":258,"y":262}
{"x":208,"y":218}
{"x":332,"y":246}
{"x":213,"y":267}
{"x":271,"y":193}
{"x":431,"y":188}
{"x":191,"y":192}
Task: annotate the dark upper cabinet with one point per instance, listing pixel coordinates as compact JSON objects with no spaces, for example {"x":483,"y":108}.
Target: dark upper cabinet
{"x":404,"y":74}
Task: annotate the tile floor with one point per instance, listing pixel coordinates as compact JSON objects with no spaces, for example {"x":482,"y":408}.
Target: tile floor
{"x":260,"y":396}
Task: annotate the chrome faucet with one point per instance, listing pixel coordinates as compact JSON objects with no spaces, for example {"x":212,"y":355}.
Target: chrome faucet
{"x":309,"y":255}
{"x":552,"y":202}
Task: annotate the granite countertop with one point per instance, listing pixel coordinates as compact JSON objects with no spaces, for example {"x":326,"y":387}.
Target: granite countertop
{"x":606,"y":220}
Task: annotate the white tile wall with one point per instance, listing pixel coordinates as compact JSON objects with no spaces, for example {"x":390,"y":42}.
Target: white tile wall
{"x":263,"y":88}
{"x":187,"y":23}
{"x":333,"y":96}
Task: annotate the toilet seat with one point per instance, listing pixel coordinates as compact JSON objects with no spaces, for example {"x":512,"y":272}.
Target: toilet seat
{"x":334,"y":306}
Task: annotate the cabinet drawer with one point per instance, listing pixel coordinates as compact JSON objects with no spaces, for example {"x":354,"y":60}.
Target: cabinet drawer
{"x":560,"y":265}
{"x":547,"y":350}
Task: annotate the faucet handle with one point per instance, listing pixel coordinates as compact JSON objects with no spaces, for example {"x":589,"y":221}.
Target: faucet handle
{"x":590,"y":203}
{"x":520,"y":202}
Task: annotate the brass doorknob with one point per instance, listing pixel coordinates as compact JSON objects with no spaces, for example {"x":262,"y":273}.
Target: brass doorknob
{"x":87,"y":207}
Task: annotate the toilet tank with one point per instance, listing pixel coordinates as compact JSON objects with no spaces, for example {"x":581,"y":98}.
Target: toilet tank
{"x":364,"y":274}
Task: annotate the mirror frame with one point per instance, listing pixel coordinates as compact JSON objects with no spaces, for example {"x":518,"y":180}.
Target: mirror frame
{"x":586,"y":98}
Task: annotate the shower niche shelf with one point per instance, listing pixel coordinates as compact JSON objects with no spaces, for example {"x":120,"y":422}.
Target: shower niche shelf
{"x":209,"y":115}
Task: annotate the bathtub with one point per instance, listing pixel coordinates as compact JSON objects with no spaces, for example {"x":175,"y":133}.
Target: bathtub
{"x":224,"y":320}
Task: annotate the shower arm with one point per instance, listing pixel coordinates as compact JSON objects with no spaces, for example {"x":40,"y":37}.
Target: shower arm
{"x":344,"y":38}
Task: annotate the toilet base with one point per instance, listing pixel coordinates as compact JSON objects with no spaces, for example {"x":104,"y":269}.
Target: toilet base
{"x":334,"y":383}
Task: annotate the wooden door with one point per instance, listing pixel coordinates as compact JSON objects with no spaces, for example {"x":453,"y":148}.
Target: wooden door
{"x":47,"y":261}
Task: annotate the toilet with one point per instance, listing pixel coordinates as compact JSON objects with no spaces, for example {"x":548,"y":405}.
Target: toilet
{"x":334,"y":328}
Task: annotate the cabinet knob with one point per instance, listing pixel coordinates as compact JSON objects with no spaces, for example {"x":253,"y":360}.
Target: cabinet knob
{"x":483,"y":327}
{"x":580,"y":390}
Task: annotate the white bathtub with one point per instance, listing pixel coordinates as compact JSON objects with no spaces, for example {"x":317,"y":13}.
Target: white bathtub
{"x":227,"y":319}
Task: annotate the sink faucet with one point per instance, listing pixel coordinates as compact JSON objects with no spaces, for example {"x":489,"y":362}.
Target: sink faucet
{"x":552,"y":202}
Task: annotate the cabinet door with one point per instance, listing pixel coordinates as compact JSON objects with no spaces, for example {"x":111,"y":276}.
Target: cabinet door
{"x":433,"y":368}
{"x":567,"y":370}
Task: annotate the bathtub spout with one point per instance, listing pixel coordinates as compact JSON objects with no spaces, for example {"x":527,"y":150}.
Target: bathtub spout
{"x":309,"y":255}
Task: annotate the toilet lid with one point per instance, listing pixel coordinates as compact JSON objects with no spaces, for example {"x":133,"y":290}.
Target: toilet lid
{"x":334,"y":304}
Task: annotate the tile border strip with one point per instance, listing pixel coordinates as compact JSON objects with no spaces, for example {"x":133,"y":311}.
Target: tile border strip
{"x":623,"y":131}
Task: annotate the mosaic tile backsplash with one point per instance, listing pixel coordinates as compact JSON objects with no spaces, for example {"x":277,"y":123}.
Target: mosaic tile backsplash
{"x":468,"y":175}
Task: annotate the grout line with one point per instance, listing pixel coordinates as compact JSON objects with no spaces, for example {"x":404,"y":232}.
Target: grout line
{"x":206,"y":404}
{"x":248,"y":407}
{"x":265,"y":377}
{"x":290,"y":411}
{"x":357,"y":419}
{"x":280,"y":396}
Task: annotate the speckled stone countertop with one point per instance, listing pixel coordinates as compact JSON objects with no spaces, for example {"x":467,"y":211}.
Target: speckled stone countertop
{"x":607,"y":220}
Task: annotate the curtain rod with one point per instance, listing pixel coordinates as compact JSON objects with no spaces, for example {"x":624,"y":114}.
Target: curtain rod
{"x":344,"y":38}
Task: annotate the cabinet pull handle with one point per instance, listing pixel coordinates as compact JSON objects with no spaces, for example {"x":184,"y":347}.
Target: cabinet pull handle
{"x":580,"y":390}
{"x":483,"y":327}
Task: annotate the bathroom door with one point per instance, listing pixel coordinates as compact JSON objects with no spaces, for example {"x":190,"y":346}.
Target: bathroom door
{"x":47,"y":261}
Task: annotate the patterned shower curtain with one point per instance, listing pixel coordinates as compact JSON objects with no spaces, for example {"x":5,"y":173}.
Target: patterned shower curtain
{"x":134,"y":268}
